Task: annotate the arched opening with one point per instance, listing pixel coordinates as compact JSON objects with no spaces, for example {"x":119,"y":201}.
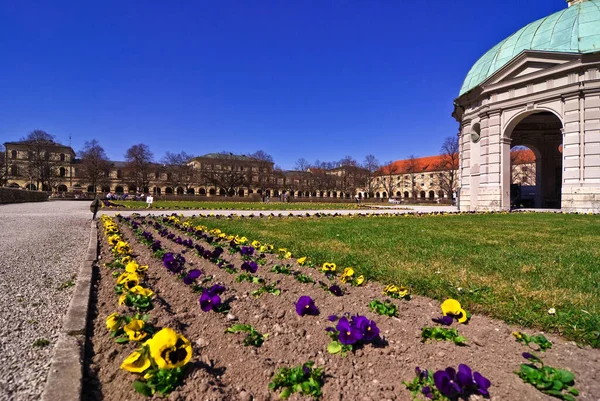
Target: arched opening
{"x":241,"y":193}
{"x":46,"y":187}
{"x":377,"y":195}
{"x":191,"y":191}
{"x":13,"y":154}
{"x":146,"y":190}
{"x":156,"y":191}
{"x":13,"y":185}
{"x":384,"y":195}
{"x":91,"y":189}
{"x":169,"y":191}
{"x":250,"y":192}
{"x":321,"y":193}
{"x":222,"y":192}
{"x":62,"y":171}
{"x":329,"y":194}
{"x":398,"y":194}
{"x":180,"y":191}
{"x":532,"y":161}
{"x":62,"y":157}
{"x":441,"y":195}
{"x":202,"y":191}
{"x":360,"y":195}
{"x":62,"y":188}
{"x":119,"y":174}
{"x":422,"y":195}
{"x":14,"y":170}
{"x":291,"y":193}
{"x":431,"y":195}
{"x":105,"y":188}
{"x":131,"y":189}
{"x":406,"y":194}
{"x":314,"y":194}
{"x":32,"y":187}
{"x":119,"y":190}
{"x":212,"y":191}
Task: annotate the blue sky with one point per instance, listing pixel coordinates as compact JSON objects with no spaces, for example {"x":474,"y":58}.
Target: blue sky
{"x":296,"y":78}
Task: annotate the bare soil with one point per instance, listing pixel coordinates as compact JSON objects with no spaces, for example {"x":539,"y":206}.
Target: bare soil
{"x":224,"y":369}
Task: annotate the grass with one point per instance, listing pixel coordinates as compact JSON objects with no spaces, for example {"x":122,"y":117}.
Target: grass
{"x":509,"y":266}
{"x":41,"y":342}
{"x":200,"y":205}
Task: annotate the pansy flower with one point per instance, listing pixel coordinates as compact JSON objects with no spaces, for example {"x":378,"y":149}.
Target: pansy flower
{"x":137,"y":362}
{"x":135,"y":330}
{"x":348,"y":334}
{"x":170,"y":350}
{"x":451,"y":307}
{"x":191,"y":276}
{"x":306,"y":306}
{"x":329,"y":267}
{"x":249,"y":266}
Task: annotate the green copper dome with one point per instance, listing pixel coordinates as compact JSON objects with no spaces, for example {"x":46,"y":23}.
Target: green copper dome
{"x":575,"y":29}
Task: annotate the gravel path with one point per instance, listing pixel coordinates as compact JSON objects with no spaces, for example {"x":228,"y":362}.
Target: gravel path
{"x":41,"y":248}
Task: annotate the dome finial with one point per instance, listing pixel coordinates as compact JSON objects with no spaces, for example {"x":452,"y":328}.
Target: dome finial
{"x":573,"y":2}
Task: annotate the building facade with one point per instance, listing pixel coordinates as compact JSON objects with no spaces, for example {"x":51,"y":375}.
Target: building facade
{"x":539,"y":88}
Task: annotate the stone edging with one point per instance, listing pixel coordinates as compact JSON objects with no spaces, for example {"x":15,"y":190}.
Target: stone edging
{"x":65,"y":378}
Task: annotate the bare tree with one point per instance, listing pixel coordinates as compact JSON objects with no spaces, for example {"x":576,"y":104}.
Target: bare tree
{"x":411,"y":168}
{"x":448,"y":165}
{"x":3,"y":166}
{"x":139,"y":163}
{"x":371,"y":165}
{"x":95,"y":165}
{"x":180,"y":173}
{"x":262,"y":178}
{"x":522,"y":166}
{"x":42,"y":167}
{"x":302,"y":164}
{"x":389,"y":175}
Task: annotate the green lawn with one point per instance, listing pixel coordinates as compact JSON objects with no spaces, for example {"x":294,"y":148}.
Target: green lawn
{"x":199,"y":205}
{"x":512,"y":266}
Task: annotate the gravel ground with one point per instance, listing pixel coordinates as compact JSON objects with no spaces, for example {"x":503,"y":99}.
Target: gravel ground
{"x":42,"y":245}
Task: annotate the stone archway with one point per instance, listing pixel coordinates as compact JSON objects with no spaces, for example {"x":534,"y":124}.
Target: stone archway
{"x":540,"y":131}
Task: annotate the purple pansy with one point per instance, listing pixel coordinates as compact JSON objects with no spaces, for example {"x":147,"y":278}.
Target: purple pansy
{"x":306,"y":306}
{"x":208,"y":300}
{"x":336,"y":290}
{"x":367,"y":327}
{"x":443,"y":320}
{"x":348,"y":334}
{"x":250,"y":266}
{"x":191,"y":276}
{"x":482,"y":383}
{"x":445,"y":381}
{"x":247,"y":250}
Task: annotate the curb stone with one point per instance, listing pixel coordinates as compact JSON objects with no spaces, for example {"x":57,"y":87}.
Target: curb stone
{"x":64,"y":381}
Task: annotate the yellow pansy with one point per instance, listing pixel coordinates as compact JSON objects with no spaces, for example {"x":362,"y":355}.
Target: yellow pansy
{"x":134,"y":330}
{"x":256,"y":244}
{"x":403,"y":291}
{"x":390,"y":289}
{"x":347,"y":275}
{"x":131,"y":267}
{"x":169,"y":350}
{"x":128,"y":280}
{"x":452,"y":307}
{"x":302,"y":260}
{"x":126,"y":259}
{"x":139,"y":290}
{"x":287,"y":255}
{"x":329,"y":267}
{"x":359,"y":280}
{"x":123,"y":248}
{"x":137,"y":362}
{"x":114,"y":239}
{"x":113,"y":321}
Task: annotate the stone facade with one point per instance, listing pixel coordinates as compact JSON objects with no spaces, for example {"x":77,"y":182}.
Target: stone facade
{"x":547,"y":98}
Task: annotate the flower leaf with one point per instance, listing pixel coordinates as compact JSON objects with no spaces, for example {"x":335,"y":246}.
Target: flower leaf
{"x":334,"y":347}
{"x":142,"y":388}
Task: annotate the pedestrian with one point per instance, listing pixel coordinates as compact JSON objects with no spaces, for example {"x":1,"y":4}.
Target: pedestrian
{"x":94,"y":207}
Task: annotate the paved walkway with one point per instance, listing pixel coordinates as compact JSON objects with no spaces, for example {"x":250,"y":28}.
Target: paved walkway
{"x":389,"y":209}
{"x":41,"y":247}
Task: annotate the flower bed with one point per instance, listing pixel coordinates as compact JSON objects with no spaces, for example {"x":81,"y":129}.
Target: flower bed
{"x":240,"y":349}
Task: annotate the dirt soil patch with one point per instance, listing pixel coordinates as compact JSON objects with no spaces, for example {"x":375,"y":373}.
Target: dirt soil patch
{"x":222,"y":368}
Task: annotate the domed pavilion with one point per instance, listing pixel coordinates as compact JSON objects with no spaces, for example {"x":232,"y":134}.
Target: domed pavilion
{"x":538,"y":88}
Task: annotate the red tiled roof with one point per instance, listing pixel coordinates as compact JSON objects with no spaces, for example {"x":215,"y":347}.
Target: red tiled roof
{"x":522,"y":156}
{"x":434,"y":163}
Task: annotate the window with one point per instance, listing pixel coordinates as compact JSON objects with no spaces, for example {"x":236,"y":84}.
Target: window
{"x":62,"y":171}
{"x":13,"y":154}
{"x":14,"y":170}
{"x":62,"y":157}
